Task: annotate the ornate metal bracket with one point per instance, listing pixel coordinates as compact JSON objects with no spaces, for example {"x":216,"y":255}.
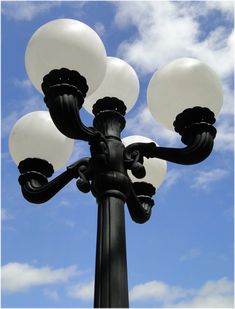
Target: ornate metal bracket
{"x":64,"y":95}
{"x":140,"y":201}
{"x":34,"y":183}
{"x":195,"y":127}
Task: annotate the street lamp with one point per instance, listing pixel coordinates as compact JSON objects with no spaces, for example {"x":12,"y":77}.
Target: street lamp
{"x":66,"y":60}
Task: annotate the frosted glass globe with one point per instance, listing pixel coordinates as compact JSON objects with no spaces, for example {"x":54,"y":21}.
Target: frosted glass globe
{"x":155,"y":168}
{"x":66,"y":43}
{"x":35,"y":136}
{"x":183,"y":83}
{"x":120,"y":81}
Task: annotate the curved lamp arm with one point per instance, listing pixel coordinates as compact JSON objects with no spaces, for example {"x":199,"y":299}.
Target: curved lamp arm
{"x":65,"y":91}
{"x":140,"y":201}
{"x":36,"y":188}
{"x":198,"y":133}
{"x":196,"y":152}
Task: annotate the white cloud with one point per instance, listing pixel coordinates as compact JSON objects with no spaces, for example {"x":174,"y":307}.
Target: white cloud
{"x":212,"y":294}
{"x":204,"y":179}
{"x":171,"y":29}
{"x":82,"y":291}
{"x":161,"y":33}
{"x":52,"y":294}
{"x":172,"y":177}
{"x":228,"y":102}
{"x":229,"y":213}
{"x":17,"y":277}
{"x":217,"y":51}
{"x":69,"y":223}
{"x":4,"y":214}
{"x":99,"y":28}
{"x":8,"y":122}
{"x":224,"y":140}
{"x":28,"y":105}
{"x":24,"y":84}
{"x":31,"y":103}
{"x":157,"y":291}
{"x":193,"y":253}
{"x":226,"y":7}
{"x":27,"y":10}
{"x":168,"y":30}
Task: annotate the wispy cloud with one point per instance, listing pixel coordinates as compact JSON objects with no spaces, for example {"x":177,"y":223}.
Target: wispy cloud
{"x":52,"y":294}
{"x":224,"y":140}
{"x":204,"y":179}
{"x":157,"y":291}
{"x":69,"y":223}
{"x":99,"y":28}
{"x":24,"y":85}
{"x":27,"y":10}
{"x":30,"y":104}
{"x":212,"y":294}
{"x":229,"y":213}
{"x":193,"y":253}
{"x":82,"y":291}
{"x":172,"y":177}
{"x":157,"y":44}
{"x":29,"y":276}
{"x":226,"y":7}
{"x":5,"y":214}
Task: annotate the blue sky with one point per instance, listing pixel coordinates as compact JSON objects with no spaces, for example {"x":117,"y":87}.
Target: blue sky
{"x":183,"y":256}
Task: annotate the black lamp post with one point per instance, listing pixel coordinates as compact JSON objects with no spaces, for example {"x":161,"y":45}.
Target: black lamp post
{"x":105,"y":173}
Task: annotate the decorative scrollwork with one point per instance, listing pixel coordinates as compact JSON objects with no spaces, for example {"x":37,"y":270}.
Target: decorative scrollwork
{"x":84,"y":172}
{"x":133,"y":159}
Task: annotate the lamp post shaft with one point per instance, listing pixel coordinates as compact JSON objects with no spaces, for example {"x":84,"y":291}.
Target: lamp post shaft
{"x":111,"y":188}
{"x":111,"y":287}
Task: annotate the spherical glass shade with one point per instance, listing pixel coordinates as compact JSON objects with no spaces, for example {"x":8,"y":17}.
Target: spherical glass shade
{"x":183,"y":83}
{"x":120,"y":81}
{"x":66,"y":43}
{"x":35,"y":136}
{"x":155,"y":168}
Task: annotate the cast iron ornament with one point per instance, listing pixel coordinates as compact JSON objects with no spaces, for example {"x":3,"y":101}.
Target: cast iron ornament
{"x":105,"y":172}
{"x":65,"y":91}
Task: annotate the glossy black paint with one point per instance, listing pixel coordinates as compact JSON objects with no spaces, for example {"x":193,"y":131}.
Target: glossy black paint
{"x":196,"y":133}
{"x":105,"y":172}
{"x":34,"y":182}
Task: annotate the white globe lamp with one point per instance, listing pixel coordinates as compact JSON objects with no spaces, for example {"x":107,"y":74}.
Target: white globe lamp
{"x":35,"y":136}
{"x":66,"y":43}
{"x":181,"y":84}
{"x":120,"y":81}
